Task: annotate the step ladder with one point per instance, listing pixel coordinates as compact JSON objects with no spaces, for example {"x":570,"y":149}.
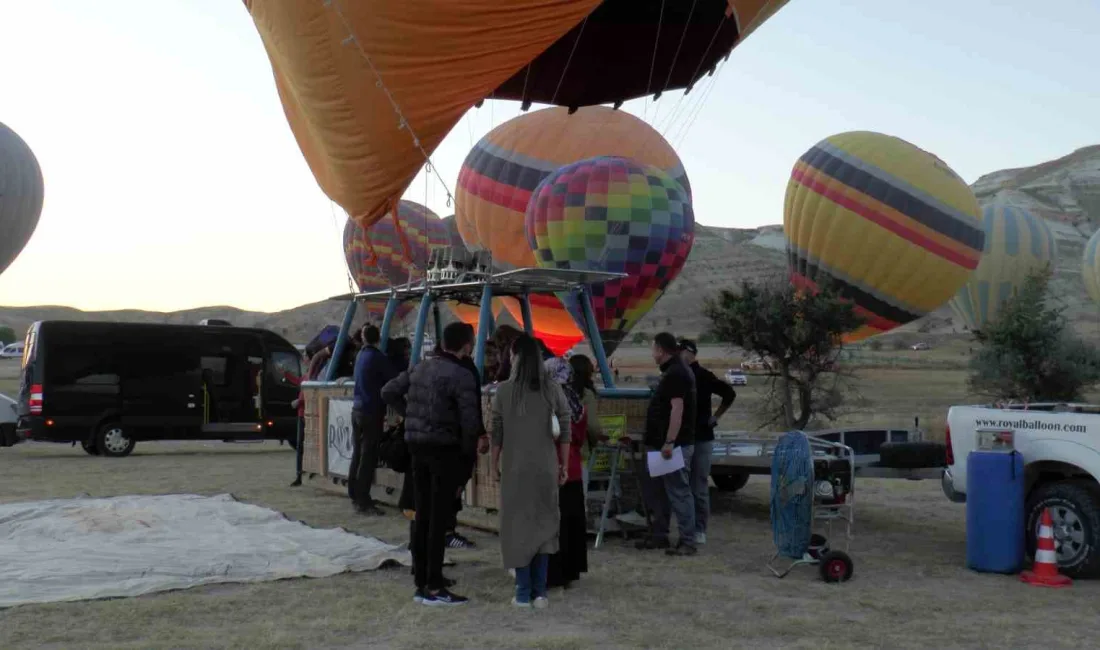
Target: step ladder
{"x":610,"y":496}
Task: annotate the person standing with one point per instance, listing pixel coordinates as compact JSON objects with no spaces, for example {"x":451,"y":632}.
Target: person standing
{"x":670,"y":428}
{"x":571,"y":560}
{"x":438,"y":399}
{"x":707,"y":385}
{"x":530,"y":457}
{"x":368,"y":419}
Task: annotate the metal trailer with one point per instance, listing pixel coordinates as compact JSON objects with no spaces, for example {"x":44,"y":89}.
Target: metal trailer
{"x":837,"y":463}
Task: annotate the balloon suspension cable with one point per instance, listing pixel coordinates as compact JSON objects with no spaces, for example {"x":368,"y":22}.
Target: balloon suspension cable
{"x":653,"y":61}
{"x":569,"y":60}
{"x":402,"y":122}
{"x":675,"y":57}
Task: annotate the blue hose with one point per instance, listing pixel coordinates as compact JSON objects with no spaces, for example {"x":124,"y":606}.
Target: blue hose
{"x":792,"y":497}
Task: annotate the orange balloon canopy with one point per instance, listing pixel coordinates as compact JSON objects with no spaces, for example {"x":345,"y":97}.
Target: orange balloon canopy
{"x":371,"y":87}
{"x":550,"y":322}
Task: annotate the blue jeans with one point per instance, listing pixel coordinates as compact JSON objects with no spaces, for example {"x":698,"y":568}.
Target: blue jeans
{"x":531,"y":579}
{"x":670,"y":494}
{"x":700,"y":488}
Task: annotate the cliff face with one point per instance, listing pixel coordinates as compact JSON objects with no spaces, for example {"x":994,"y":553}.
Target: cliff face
{"x":1065,"y":192}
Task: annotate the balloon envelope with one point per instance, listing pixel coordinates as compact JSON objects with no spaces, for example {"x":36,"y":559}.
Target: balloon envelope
{"x":1090,"y":267}
{"x":21,"y":195}
{"x":550,"y":322}
{"x":1017,"y":244}
{"x":889,"y":225}
{"x":613,"y":214}
{"x":370,"y":88}
{"x":394,"y":250}
{"x":503,"y":169}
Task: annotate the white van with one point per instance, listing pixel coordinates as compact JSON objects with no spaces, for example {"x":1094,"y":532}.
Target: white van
{"x":12,"y":351}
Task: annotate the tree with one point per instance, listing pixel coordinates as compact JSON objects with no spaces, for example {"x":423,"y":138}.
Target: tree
{"x":1030,"y":354}
{"x":798,"y":337}
{"x":640,"y":338}
{"x":7,"y":335}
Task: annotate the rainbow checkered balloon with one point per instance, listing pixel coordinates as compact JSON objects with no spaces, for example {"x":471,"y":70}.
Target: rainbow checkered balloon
{"x":612,"y":214}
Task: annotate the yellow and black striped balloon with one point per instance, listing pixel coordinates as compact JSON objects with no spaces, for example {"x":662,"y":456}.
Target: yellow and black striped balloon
{"x":885,"y":222}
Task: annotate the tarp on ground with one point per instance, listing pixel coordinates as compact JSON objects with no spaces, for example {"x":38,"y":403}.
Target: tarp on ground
{"x":80,"y":549}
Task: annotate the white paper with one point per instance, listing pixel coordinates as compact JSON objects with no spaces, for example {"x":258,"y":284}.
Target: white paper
{"x":659,"y":465}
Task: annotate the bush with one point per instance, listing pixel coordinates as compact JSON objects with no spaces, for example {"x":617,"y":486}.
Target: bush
{"x":875,"y":344}
{"x":7,"y":335}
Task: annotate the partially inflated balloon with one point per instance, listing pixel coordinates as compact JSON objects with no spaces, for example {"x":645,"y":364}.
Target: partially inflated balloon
{"x":616,"y":215}
{"x":394,"y":251}
{"x":21,"y":195}
{"x":889,"y":225}
{"x":1017,"y":244}
{"x":450,"y":224}
{"x":1090,"y":267}
{"x":550,"y":322}
{"x":503,"y":169}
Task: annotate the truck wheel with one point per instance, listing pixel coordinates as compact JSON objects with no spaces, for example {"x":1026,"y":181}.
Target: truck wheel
{"x":730,"y":482}
{"x":89,"y":448}
{"x":912,"y":455}
{"x":1075,"y":509}
{"x":112,"y":441}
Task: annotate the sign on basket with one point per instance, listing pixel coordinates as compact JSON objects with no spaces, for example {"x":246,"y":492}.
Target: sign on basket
{"x":339,"y":437}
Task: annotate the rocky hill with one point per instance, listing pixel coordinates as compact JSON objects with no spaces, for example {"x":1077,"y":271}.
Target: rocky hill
{"x":1066,"y":192}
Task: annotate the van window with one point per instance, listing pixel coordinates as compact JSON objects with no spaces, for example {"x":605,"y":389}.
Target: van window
{"x":29,"y":345}
{"x":217,"y":368}
{"x":281,"y":364}
{"x":80,"y":365}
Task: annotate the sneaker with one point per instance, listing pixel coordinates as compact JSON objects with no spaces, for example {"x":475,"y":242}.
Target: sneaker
{"x":700,"y":538}
{"x":541,"y":602}
{"x":443,"y":598}
{"x":369,"y":511}
{"x":522,"y":605}
{"x":682,"y":550}
{"x":418,"y":596}
{"x":454,"y":540}
{"x":650,"y":544}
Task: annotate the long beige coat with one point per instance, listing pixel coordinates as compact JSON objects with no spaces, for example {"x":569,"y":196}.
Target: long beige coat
{"x":529,"y":470}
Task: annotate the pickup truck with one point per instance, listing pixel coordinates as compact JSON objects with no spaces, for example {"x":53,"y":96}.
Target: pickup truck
{"x":1060,"y":444}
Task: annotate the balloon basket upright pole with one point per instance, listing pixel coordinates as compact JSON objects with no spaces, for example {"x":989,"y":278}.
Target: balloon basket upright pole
{"x":341,"y":340}
{"x":525,"y":309}
{"x":421,"y":325}
{"x":438,"y":322}
{"x":484,"y":324}
{"x":594,"y":340}
{"x":387,"y":321}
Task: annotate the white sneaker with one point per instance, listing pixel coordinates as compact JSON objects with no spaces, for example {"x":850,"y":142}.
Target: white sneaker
{"x":700,"y":538}
{"x":516,"y":603}
{"x":541,"y":603}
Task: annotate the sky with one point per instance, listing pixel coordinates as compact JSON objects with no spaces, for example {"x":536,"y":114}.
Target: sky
{"x":173,"y":181}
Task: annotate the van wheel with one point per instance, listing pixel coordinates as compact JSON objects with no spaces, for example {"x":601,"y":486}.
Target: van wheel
{"x":112,"y":441}
{"x":89,"y":448}
{"x":1075,"y":510}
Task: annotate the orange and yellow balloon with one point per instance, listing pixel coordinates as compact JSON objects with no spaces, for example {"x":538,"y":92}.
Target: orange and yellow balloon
{"x":888,"y":224}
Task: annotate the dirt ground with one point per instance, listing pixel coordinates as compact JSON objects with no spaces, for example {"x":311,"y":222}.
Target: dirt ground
{"x":911,"y":588}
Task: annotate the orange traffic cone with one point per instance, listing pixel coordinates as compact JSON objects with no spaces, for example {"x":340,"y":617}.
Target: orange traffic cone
{"x":1044,"y":572}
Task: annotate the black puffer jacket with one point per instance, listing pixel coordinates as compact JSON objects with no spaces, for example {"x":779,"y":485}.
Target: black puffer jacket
{"x":439,"y":400}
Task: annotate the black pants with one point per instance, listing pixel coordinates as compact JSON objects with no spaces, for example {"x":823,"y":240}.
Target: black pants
{"x":436,"y":477}
{"x":366,"y":432}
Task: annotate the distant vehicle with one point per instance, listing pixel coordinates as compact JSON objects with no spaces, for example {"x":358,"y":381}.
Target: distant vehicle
{"x":12,"y":351}
{"x":215,"y":322}
{"x":920,"y":346}
{"x":8,"y":418}
{"x":735,"y":377}
{"x":110,"y":385}
{"x":1061,"y":454}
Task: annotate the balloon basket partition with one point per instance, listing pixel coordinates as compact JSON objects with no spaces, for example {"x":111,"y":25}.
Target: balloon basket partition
{"x":328,"y":400}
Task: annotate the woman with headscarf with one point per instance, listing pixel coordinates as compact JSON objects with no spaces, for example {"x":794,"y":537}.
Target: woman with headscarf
{"x":529,"y":455}
{"x":575,"y":377}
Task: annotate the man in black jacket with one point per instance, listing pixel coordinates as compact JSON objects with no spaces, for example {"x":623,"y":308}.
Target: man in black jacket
{"x":706,"y":387}
{"x":439,"y":400}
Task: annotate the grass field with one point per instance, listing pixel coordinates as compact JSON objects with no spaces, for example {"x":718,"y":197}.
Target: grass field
{"x":911,"y":588}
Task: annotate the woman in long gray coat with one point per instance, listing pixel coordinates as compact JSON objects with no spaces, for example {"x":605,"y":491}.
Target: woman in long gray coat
{"x":529,"y":454}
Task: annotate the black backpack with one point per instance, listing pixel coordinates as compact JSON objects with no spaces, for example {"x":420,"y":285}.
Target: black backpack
{"x":393,"y":451}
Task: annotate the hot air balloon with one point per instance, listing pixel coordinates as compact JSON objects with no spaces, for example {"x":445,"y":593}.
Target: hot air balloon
{"x":454,"y":238}
{"x":21,"y":194}
{"x":1017,"y":243}
{"x":616,"y":215}
{"x":889,"y":225}
{"x":501,"y":171}
{"x":394,"y":251}
{"x":370,"y":88}
{"x":1090,"y":267}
